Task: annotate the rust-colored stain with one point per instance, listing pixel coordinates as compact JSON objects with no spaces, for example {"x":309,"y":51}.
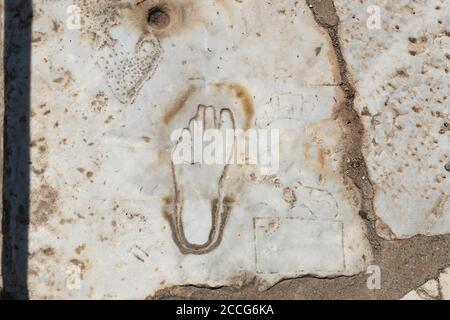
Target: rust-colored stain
{"x":321,"y":158}
{"x":179,"y":104}
{"x":244,"y":97}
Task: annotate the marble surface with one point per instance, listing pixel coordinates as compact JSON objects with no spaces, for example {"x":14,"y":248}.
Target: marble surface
{"x":112,"y":217}
{"x":400,"y":70}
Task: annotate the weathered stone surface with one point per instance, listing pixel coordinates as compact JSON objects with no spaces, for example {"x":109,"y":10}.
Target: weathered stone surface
{"x":399,"y":64}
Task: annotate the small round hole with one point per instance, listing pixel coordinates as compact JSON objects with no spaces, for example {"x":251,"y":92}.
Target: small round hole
{"x":447,"y":166}
{"x":158,"y":18}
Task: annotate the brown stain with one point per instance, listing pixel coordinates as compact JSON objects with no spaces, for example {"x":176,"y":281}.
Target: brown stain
{"x":321,"y":158}
{"x":80,"y":249}
{"x":57,"y":26}
{"x":289,"y":196}
{"x":273,"y":225}
{"x":318,"y":50}
{"x":81,"y":265}
{"x":167,"y":200}
{"x":321,"y":148}
{"x":38,"y":37}
{"x":99,"y":103}
{"x":40,"y":156}
{"x":48,"y":251}
{"x":383,"y":229}
{"x":179,"y":103}
{"x":65,"y":79}
{"x":245,"y":98}
{"x":146,"y":139}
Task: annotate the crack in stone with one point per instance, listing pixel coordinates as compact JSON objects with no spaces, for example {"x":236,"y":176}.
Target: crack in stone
{"x":353,"y":162}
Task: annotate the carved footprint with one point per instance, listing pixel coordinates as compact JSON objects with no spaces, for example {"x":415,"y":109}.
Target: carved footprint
{"x":201,"y":189}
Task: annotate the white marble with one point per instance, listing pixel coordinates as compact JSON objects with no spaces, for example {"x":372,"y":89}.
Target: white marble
{"x":105,"y":101}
